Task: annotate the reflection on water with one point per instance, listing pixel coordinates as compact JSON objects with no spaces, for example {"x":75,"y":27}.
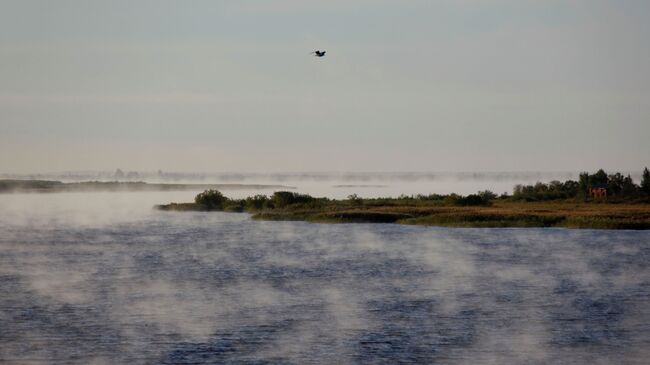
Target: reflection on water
{"x":103,"y":279}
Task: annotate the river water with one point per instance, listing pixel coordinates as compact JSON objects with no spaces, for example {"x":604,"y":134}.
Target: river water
{"x":104,"y":279}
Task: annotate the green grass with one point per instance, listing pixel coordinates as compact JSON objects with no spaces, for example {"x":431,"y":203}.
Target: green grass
{"x":487,"y":220}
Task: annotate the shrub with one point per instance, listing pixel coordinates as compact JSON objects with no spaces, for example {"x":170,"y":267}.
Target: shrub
{"x":234,"y":205}
{"x":431,"y":197}
{"x":281,"y":199}
{"x":487,"y":195}
{"x":257,"y":202}
{"x":551,"y":191}
{"x":211,"y":199}
{"x":472,"y":200}
{"x":469,"y":200}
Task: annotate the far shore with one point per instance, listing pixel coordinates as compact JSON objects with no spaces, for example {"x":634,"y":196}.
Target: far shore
{"x":53,"y":186}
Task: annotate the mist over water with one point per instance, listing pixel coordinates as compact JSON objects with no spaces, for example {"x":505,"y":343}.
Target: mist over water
{"x":330,"y":184}
{"x":101,"y":278}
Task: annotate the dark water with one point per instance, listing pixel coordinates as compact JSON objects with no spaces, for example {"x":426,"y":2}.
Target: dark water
{"x":79,"y":285}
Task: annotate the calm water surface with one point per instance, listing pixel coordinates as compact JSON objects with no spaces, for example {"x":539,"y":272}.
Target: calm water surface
{"x":103,"y":279}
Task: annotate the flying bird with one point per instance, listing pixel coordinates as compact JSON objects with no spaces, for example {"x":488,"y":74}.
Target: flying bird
{"x":319,"y":53}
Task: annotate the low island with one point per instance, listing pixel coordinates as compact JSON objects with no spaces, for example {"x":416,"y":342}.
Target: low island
{"x":597,"y":201}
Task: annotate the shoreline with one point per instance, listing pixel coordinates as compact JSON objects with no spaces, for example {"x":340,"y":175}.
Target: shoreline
{"x":500,"y":214}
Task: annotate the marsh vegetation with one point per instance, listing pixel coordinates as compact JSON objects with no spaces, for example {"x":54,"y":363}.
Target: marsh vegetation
{"x":554,"y":204}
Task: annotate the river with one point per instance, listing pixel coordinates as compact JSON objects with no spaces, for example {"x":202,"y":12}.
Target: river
{"x":101,"y":278}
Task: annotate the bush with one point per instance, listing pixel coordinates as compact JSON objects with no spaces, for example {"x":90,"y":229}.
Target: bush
{"x":431,"y":197}
{"x":281,"y":199}
{"x":257,"y":202}
{"x":472,"y":200}
{"x":487,"y":195}
{"x":234,"y":205}
{"x":211,"y":199}
{"x":469,"y":200}
{"x":551,"y":191}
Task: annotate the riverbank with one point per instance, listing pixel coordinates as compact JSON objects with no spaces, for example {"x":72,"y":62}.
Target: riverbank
{"x":499,"y":213}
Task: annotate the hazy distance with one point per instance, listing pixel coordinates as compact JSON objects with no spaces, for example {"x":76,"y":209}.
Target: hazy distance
{"x":462,"y":85}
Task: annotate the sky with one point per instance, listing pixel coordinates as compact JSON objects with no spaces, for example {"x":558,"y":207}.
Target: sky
{"x":419,"y":85}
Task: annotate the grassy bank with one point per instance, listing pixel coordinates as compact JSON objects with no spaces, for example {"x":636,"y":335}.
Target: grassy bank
{"x":501,"y":214}
{"x":450,"y":212}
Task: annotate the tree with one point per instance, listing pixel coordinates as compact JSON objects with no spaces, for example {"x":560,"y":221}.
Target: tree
{"x":571,"y":188}
{"x":615,"y":184}
{"x":630,"y":189}
{"x":355,"y":199}
{"x":645,"y":182}
{"x":584,"y":184}
{"x":600,"y":177}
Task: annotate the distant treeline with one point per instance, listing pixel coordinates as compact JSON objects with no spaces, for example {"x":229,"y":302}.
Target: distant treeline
{"x":215,"y":200}
{"x":50,"y":186}
{"x":617,"y":187}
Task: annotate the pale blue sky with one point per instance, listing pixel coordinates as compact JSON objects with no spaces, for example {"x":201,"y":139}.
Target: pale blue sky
{"x":406,"y":85}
